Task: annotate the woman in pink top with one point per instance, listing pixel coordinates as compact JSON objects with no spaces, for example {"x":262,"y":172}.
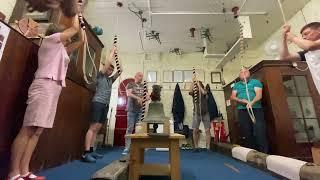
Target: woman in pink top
{"x":43,"y":96}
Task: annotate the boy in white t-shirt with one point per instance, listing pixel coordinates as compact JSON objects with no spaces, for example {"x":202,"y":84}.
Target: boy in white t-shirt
{"x":310,"y":43}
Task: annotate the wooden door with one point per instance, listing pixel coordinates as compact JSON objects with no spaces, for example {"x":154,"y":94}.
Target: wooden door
{"x":121,"y":115}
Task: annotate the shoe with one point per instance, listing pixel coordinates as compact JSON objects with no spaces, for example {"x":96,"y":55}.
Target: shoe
{"x":125,"y":151}
{"x":17,"y":177}
{"x":196,"y":150}
{"x":31,"y":176}
{"x":96,"y":155}
{"x":88,"y":158}
{"x":204,"y":150}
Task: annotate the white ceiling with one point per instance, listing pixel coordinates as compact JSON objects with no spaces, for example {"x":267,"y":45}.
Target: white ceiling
{"x":174,"y":29}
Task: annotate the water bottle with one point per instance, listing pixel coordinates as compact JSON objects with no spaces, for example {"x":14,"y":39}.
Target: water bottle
{"x":171,"y":126}
{"x":139,"y":128}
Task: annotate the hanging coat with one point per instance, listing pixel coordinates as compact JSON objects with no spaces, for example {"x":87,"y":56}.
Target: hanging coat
{"x":178,"y":108}
{"x":212,"y":105}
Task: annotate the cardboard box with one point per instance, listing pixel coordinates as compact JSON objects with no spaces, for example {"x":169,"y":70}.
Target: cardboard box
{"x":316,"y":154}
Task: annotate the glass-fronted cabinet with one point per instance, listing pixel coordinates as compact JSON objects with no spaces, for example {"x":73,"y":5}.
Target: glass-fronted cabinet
{"x":302,"y":111}
{"x":291,"y":105}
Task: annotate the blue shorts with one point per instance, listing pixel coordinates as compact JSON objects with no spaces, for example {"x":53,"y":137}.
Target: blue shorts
{"x":99,"y":112}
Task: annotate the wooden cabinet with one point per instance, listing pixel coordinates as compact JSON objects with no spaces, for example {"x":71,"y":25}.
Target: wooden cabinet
{"x":291,"y":105}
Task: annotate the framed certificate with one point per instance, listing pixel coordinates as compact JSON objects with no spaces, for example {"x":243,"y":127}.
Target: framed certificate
{"x":187,"y":76}
{"x":215,"y":77}
{"x":152,"y":76}
{"x":167,"y":76}
{"x":177,"y":76}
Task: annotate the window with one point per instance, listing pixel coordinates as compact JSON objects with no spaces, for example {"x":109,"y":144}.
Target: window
{"x":152,"y":76}
{"x":167,"y":76}
{"x":177,"y":76}
{"x":301,"y":108}
{"x":188,"y":76}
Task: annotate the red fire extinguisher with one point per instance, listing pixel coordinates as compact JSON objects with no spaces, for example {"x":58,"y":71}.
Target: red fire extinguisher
{"x":219,"y":131}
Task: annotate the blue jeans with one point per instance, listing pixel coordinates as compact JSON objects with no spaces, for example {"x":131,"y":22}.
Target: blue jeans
{"x":132,"y":119}
{"x":253,"y":135}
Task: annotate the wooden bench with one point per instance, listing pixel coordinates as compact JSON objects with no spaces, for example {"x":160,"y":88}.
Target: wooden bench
{"x":116,"y":170}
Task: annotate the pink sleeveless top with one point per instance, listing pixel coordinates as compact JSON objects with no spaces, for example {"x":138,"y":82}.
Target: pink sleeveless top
{"x":53,"y":59}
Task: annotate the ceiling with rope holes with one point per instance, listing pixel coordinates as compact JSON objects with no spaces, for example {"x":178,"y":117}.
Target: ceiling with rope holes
{"x":179,"y":25}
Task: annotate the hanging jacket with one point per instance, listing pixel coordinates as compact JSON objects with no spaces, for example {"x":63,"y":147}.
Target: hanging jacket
{"x":212,"y":105}
{"x":178,"y":108}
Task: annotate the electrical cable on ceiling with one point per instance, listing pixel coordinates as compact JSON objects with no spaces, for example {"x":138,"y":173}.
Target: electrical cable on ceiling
{"x":138,"y":13}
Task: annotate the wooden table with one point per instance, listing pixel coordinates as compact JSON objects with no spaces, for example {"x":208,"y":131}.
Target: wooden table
{"x":136,"y":163}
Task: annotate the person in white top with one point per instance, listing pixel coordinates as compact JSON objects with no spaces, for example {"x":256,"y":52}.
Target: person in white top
{"x":309,"y":42}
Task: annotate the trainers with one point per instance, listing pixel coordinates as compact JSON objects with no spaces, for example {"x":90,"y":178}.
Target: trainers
{"x":31,"y":176}
{"x":125,"y":151}
{"x":96,"y":155}
{"x":88,"y":158}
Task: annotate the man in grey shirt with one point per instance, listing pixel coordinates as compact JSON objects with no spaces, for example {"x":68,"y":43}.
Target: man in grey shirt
{"x":200,"y":113}
{"x":134,"y":106}
{"x":100,"y":107}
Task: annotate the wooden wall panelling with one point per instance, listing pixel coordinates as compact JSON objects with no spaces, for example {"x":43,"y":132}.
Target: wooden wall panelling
{"x":282,"y":123}
{"x":232,"y":117}
{"x":58,"y":145}
{"x":76,"y":73}
{"x":18,"y":64}
{"x":268,"y":114}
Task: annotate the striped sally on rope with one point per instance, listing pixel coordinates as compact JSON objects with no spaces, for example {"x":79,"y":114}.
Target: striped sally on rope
{"x":242,"y":48}
{"x":144,"y":100}
{"x":115,"y":42}
{"x":195,"y":88}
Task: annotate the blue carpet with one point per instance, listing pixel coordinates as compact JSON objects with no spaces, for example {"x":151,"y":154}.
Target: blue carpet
{"x":194,"y":166}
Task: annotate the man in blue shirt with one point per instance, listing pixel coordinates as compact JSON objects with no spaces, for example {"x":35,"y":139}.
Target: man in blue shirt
{"x":252,"y":130}
{"x":100,"y":106}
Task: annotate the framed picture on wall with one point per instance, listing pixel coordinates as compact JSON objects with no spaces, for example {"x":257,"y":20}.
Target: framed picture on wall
{"x":152,"y":76}
{"x":187,"y":76}
{"x":215,"y":77}
{"x":167,"y":76}
{"x":177,"y":76}
{"x":38,"y":16}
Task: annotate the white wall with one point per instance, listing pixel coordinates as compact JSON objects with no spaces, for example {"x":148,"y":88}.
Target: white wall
{"x":160,"y":62}
{"x":311,"y":13}
{"x":133,"y":63}
{"x":7,"y":7}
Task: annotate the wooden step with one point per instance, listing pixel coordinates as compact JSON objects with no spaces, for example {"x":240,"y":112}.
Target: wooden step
{"x":116,"y":170}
